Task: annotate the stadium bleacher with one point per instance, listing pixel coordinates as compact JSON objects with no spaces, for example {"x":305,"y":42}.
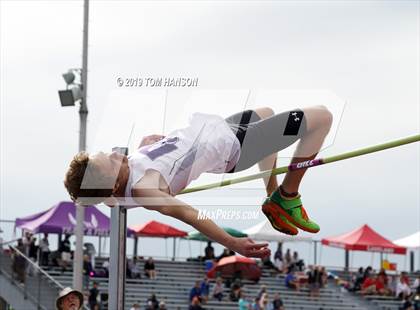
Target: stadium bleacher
{"x":175,"y":279}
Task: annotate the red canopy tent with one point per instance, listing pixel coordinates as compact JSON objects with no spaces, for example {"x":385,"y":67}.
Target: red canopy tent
{"x":363,"y":239}
{"x":157,"y":230}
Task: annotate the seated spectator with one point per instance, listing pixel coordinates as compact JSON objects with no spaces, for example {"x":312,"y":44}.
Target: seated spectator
{"x":162,"y":305}
{"x":149,"y":268}
{"x":218,"y":289}
{"x":209,"y":251}
{"x":278,"y":258}
{"x":324,"y":276}
{"x":235,"y":292}
{"x":357,"y":280}
{"x":226,"y":253}
{"x":93,"y":295}
{"x":134,"y":266}
{"x":152,"y":303}
{"x":243,"y":304}
{"x":44,"y":250}
{"x":291,"y":281}
{"x":369,"y":285}
{"x":381,"y":286}
{"x":407,"y":304}
{"x":314,"y":281}
{"x":403,"y":289}
{"x":195,"y":304}
{"x":195,"y":291}
{"x":277,"y":302}
{"x":297,"y":263}
{"x":105,"y":266}
{"x":262,"y":291}
{"x":264,"y":303}
{"x":266,"y":261}
{"x":205,"y":290}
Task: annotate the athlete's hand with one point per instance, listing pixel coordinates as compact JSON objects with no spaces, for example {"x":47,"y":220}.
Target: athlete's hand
{"x":247,"y":247}
{"x":147,"y":140}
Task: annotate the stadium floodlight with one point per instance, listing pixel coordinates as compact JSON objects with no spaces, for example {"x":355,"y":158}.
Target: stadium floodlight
{"x":69,"y":96}
{"x":69,"y":77}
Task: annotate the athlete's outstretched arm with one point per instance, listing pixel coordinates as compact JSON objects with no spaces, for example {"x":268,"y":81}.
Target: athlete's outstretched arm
{"x":154,"y":199}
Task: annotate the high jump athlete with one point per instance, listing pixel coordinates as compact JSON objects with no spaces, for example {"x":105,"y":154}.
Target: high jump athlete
{"x":164,"y":165}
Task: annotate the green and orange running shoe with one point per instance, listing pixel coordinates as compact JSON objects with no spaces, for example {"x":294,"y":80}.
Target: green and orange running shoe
{"x":293,"y":211}
{"x":277,"y":220}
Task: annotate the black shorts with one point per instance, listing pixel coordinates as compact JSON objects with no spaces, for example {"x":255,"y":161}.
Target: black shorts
{"x":260,"y":138}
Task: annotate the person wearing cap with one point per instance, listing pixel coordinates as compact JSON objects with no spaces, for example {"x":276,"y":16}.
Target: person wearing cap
{"x":69,"y":299}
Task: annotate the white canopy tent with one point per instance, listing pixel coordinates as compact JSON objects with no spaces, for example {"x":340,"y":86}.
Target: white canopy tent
{"x":411,"y":241}
{"x":265,"y":232}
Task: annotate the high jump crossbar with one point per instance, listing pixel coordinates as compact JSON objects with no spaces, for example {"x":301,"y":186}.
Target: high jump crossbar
{"x":306,"y":164}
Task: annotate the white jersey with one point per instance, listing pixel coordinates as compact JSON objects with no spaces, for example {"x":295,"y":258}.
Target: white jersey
{"x":207,"y":144}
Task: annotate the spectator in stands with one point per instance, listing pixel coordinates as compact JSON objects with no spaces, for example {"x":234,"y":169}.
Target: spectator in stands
{"x":152,"y":303}
{"x":87,"y":271}
{"x":297,"y":263}
{"x":218,"y":289}
{"x":65,"y":252}
{"x":135,"y":268}
{"x":243,"y":304}
{"x":407,"y":304}
{"x":287,"y":259}
{"x":382,"y":274}
{"x":26,"y":240}
{"x":44,"y":250}
{"x":403,"y":289}
{"x":291,"y":281}
{"x":91,"y":252}
{"x":205,"y":290}
{"x":69,"y":299}
{"x":324,"y":276}
{"x":278,"y":257}
{"x":19,"y":263}
{"x":277,"y":302}
{"x":263,"y":290}
{"x":357,"y":280}
{"x":149,"y":269}
{"x":209,"y":251}
{"x":105,"y":266}
{"x":195,"y":291}
{"x":235,"y":292}
{"x":33,"y":255}
{"x":369,"y":285}
{"x":266,"y":261}
{"x":162,"y":305}
{"x":264,"y":302}
{"x":381,"y":286}
{"x":195,"y":304}
{"x":368,"y":271}
{"x":226,"y":253}
{"x":93,"y":295}
{"x":314,"y":281}
{"x":135,"y":306}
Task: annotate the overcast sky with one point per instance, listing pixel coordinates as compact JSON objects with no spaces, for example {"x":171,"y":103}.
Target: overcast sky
{"x":359,"y":58}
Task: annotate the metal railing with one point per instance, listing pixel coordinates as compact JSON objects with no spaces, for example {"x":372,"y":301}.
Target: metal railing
{"x":34,"y":283}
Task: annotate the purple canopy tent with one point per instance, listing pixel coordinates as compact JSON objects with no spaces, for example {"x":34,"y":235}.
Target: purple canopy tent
{"x":61,"y":219}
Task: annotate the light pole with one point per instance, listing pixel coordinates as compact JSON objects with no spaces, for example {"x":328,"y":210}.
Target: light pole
{"x":68,"y":97}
